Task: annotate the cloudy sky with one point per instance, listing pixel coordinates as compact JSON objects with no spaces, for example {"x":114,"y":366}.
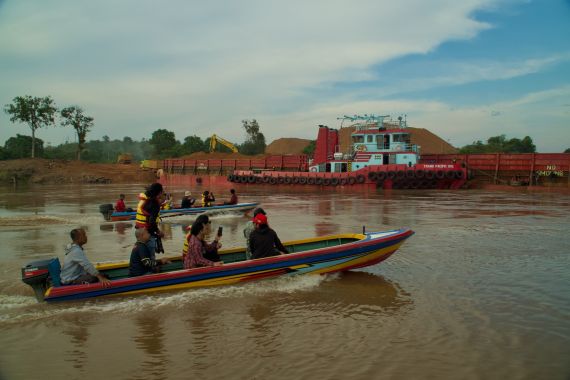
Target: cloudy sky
{"x":466,"y":70}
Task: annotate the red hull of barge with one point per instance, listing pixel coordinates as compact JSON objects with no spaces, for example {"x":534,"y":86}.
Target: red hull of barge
{"x":443,"y":176}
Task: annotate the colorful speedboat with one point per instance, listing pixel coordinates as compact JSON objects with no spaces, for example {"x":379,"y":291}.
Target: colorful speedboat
{"x":321,"y":255}
{"x":113,"y":216}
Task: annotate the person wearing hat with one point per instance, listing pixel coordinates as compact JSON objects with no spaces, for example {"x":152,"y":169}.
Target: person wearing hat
{"x":263,"y":241}
{"x":249,"y":228}
{"x":187,"y":200}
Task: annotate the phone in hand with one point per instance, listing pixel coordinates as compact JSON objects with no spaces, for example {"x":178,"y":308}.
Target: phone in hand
{"x":220,"y":228}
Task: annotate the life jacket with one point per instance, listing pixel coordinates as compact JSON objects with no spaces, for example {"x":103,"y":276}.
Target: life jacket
{"x":206,"y":201}
{"x":142,"y":215}
{"x":185,"y":248}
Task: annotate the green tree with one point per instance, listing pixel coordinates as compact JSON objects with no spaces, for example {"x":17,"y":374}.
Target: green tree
{"x":34,"y":111}
{"x":82,"y":124}
{"x":193,"y":144}
{"x":500,"y":144}
{"x":567,"y":150}
{"x":165,"y":144}
{"x":66,"y":151}
{"x":309,"y":150}
{"x":255,"y":140}
{"x":19,"y":146}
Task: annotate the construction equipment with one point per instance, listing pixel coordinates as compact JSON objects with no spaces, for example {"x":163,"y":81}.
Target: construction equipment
{"x":125,"y":158}
{"x":214,"y":140}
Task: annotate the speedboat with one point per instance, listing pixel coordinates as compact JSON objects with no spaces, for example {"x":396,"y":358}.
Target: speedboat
{"x":319,"y":255}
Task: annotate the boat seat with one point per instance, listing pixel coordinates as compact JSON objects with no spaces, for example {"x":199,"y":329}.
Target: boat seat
{"x":54,"y":269}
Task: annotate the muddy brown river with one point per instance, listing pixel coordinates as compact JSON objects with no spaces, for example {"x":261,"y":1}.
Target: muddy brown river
{"x":481,"y":291}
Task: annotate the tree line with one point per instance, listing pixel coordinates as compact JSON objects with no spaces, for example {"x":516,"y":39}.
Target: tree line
{"x":500,"y":144}
{"x":38,"y":112}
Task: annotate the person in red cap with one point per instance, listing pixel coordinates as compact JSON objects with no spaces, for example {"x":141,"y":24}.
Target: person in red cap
{"x":263,"y":241}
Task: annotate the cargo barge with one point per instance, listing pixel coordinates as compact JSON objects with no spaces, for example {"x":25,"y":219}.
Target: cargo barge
{"x":380,"y":156}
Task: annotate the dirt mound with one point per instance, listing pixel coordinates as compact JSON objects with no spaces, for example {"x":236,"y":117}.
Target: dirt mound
{"x":287,"y":146}
{"x":40,"y":170}
{"x":429,"y":143}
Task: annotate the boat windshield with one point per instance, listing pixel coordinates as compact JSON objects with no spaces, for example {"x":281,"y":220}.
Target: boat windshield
{"x":357,"y":139}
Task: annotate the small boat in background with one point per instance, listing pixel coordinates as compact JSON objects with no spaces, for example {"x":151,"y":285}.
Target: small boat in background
{"x":321,"y":255}
{"x":112,"y":216}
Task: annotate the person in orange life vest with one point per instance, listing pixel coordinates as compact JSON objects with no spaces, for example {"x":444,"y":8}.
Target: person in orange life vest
{"x":148,"y":211}
{"x":168,"y":202}
{"x":208,"y":199}
{"x":196,"y":252}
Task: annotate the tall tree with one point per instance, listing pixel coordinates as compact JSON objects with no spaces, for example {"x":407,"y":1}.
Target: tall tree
{"x":34,"y":111}
{"x":163,"y":141}
{"x":193,"y":144}
{"x":82,"y":124}
{"x":255,"y":140}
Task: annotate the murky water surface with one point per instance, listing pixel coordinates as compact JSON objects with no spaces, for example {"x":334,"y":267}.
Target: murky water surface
{"x":482,"y":291}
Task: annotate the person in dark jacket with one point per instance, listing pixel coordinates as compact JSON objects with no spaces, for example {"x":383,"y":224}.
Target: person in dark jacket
{"x":187,"y":200}
{"x":142,"y":262}
{"x":263,"y":241}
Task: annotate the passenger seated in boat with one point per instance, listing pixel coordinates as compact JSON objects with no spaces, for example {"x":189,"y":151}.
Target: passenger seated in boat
{"x":263,"y":241}
{"x":142,"y":262}
{"x":187,"y":200}
{"x":234,"y":199}
{"x":120,"y":205}
{"x":77,"y":269}
{"x":196,"y":249}
{"x":249,"y":227}
{"x":208,"y":199}
{"x":168,"y":202}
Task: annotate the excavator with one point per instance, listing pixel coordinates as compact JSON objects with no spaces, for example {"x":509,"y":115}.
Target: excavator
{"x":214,"y":140}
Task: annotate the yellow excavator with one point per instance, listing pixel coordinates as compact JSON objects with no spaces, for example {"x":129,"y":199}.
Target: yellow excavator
{"x":215,"y":140}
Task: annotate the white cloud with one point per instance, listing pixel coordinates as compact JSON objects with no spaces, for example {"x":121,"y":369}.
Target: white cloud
{"x":198,"y":68}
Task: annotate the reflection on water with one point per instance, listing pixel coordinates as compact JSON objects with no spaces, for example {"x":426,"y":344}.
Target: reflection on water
{"x":150,"y":339}
{"x":77,"y":329}
{"x":480,"y":291}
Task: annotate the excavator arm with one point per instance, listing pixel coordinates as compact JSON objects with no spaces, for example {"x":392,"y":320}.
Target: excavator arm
{"x":214,"y":140}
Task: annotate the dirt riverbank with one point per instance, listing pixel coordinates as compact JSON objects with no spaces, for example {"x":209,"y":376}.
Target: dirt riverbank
{"x":44,"y":171}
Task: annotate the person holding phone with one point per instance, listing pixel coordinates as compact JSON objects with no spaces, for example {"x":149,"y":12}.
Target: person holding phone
{"x":197,"y":252}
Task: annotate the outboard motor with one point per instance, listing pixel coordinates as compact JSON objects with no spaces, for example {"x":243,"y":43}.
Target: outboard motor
{"x":106,"y":210}
{"x":42,"y":274}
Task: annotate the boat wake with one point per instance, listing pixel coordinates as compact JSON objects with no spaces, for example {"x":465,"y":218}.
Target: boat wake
{"x":23,"y":309}
{"x":36,"y":220}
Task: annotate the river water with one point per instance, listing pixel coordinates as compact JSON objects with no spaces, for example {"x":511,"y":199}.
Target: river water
{"x":481,"y":291}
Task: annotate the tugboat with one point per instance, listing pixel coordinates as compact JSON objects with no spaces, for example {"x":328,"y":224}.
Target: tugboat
{"x":380,"y":154}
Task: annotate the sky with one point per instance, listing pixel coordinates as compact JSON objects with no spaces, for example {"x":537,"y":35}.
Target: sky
{"x":465,"y":70}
